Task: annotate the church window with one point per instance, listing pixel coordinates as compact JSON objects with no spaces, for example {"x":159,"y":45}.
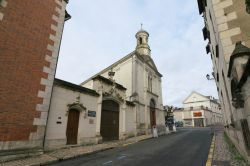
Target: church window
{"x":140,"y":40}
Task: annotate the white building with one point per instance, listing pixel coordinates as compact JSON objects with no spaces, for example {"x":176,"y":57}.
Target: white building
{"x":199,"y":111}
{"x":121,"y":101}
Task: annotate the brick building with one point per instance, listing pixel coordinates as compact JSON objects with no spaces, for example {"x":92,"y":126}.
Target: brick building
{"x":30,"y":36}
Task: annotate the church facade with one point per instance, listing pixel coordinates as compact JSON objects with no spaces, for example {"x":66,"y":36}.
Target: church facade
{"x":122,"y":101}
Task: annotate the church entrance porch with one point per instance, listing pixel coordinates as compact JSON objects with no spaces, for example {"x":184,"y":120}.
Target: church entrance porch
{"x":72,"y":126}
{"x":110,"y":120}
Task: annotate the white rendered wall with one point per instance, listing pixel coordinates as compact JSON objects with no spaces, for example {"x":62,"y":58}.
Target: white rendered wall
{"x":56,"y":133}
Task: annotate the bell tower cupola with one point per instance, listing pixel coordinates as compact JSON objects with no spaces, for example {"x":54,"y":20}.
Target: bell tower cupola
{"x":142,"y":47}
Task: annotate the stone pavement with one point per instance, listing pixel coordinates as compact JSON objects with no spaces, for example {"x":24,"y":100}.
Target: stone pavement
{"x":222,"y":154}
{"x":71,"y":152}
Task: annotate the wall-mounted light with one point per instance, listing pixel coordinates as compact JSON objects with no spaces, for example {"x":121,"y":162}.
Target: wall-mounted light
{"x":209,"y":77}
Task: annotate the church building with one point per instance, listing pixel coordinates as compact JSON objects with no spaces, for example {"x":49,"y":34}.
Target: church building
{"x":122,"y":101}
{"x":39,"y":111}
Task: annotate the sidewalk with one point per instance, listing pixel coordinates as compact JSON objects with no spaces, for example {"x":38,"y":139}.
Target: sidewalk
{"x":71,"y":152}
{"x":222,"y":154}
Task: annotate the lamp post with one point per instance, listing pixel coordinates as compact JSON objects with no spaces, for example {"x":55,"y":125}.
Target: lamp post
{"x":209,"y":77}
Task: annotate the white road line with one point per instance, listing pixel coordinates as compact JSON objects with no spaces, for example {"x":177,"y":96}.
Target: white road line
{"x":121,"y":157}
{"x":108,"y":162}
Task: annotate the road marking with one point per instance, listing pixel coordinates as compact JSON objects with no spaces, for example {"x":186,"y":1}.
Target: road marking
{"x":108,"y":162}
{"x":210,"y":154}
{"x":121,"y":157}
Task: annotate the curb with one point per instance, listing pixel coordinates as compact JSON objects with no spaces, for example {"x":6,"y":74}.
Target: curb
{"x":89,"y":153}
{"x":211,"y":152}
{"x":54,"y":159}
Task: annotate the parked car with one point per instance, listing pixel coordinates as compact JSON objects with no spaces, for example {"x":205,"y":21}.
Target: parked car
{"x":179,"y":124}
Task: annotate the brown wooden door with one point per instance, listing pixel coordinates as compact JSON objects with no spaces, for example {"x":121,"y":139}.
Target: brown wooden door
{"x":153,"y":118}
{"x":110,"y":121}
{"x":72,"y":127}
{"x":152,"y":113}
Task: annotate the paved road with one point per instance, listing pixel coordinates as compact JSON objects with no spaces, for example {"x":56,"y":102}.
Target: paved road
{"x":187,"y":147}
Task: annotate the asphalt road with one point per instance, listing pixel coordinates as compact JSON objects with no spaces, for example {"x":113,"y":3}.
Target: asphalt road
{"x":187,"y":147}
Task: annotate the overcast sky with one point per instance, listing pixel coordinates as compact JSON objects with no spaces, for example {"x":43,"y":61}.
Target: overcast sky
{"x":103,"y":31}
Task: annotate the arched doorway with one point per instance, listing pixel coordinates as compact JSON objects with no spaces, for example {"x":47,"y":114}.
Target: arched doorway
{"x":152,"y":113}
{"x":72,"y":126}
{"x":110,"y":120}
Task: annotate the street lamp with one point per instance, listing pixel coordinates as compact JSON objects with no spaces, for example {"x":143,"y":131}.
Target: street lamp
{"x":111,"y":74}
{"x":238,"y":72}
{"x":208,"y":76}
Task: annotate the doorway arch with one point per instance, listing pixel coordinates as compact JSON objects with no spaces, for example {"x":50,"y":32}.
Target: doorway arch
{"x":152,"y":113}
{"x":110,"y":120}
{"x":72,"y":126}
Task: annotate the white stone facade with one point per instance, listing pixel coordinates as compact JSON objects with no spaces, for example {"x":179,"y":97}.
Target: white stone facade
{"x":197,"y":106}
{"x":138,"y":73}
{"x":58,"y":117}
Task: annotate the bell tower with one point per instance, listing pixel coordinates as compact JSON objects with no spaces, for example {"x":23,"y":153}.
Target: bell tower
{"x":142,"y":47}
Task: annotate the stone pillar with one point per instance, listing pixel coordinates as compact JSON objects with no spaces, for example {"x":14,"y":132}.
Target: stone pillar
{"x":123,"y":111}
{"x":204,"y":121}
{"x":135,"y":117}
{"x":146,"y":120}
{"x":98,"y":117}
{"x":193,"y":122}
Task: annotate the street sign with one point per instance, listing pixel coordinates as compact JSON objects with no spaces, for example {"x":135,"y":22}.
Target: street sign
{"x":91,"y":113}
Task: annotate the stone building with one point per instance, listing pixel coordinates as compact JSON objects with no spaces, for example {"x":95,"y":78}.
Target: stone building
{"x":227,"y":28}
{"x":124,"y":100}
{"x":138,"y":73}
{"x":39,"y":112}
{"x":199,"y":111}
{"x":29,"y":46}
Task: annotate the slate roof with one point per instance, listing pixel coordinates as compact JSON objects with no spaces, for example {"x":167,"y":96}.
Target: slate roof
{"x":108,"y":81}
{"x":74,"y":87}
{"x":146,"y":59}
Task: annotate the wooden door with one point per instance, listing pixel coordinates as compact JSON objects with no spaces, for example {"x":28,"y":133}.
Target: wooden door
{"x":110,"y":125}
{"x":152,"y":118}
{"x":152,"y":113}
{"x":110,"y":121}
{"x":72,"y":127}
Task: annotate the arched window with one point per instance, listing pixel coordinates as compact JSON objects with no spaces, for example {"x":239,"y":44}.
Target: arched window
{"x":152,"y":103}
{"x":140,"y":40}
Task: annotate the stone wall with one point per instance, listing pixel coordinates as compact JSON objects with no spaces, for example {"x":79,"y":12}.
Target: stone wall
{"x":228,"y":22}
